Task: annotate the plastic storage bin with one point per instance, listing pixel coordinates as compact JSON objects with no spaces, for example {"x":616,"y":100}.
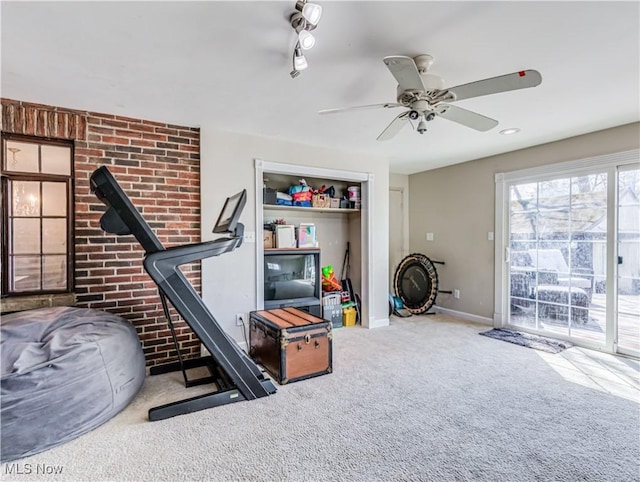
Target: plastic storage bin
{"x":349,"y":316}
{"x":332,"y":309}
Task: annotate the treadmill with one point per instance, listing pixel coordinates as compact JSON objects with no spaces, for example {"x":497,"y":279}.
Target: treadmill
{"x":236,"y":376}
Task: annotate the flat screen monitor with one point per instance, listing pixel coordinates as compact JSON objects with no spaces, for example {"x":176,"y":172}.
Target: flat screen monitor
{"x":228,"y":218}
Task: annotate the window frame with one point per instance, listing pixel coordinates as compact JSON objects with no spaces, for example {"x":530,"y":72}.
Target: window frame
{"x":8,"y":176}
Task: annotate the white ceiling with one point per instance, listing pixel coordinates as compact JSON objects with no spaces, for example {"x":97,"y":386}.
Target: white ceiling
{"x":226,"y":65}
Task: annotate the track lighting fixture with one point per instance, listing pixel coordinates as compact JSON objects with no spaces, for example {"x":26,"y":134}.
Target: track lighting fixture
{"x":303,"y":21}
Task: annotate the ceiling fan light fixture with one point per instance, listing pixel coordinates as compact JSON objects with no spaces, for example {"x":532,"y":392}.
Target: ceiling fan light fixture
{"x":509,"y":131}
{"x":306,"y":40}
{"x":310,"y":11}
{"x":422,"y":127}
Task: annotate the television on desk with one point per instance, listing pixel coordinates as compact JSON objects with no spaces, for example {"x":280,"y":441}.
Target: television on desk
{"x":292,"y":278}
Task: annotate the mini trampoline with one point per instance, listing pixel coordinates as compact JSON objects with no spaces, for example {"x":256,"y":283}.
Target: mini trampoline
{"x":65,"y":371}
{"x":416,"y":283}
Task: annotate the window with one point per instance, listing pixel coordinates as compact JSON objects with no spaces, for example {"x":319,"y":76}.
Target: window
{"x":37,"y":215}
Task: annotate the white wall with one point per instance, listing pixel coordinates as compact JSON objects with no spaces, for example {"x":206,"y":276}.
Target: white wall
{"x":228,"y":166}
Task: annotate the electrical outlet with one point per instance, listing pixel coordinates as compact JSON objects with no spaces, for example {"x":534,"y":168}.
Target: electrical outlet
{"x":240,"y":317}
{"x":456,"y":294}
{"x":250,"y":237}
{"x":429,"y":236}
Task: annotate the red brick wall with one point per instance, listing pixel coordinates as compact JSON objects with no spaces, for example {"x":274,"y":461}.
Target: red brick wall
{"x":158,"y":166}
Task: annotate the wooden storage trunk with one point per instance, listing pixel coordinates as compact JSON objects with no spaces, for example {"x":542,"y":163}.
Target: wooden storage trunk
{"x":291,"y":344}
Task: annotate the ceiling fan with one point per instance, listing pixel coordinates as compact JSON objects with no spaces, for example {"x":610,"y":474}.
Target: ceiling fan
{"x":425,"y":98}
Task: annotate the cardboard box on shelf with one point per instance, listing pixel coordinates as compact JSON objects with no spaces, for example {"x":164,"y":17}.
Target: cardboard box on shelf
{"x":267,"y":239}
{"x":285,"y":236}
{"x":321,"y":201}
{"x":335,"y":202}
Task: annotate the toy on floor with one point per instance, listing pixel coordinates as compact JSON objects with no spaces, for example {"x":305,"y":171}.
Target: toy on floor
{"x":329,"y":281}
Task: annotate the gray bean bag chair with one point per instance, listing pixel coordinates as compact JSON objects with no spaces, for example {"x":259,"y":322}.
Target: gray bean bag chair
{"x":65,"y":371}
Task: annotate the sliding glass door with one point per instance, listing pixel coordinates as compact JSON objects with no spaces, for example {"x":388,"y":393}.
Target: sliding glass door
{"x":557,"y":253}
{"x":570,"y":234}
{"x":628,"y":233}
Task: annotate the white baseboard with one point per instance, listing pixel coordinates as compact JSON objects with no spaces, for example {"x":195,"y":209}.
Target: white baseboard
{"x":378,"y":323}
{"x":465,"y":316}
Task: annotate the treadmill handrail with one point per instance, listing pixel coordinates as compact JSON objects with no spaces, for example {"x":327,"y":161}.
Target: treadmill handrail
{"x":193,"y":252}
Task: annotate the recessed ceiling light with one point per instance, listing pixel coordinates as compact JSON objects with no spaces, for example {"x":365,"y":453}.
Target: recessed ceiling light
{"x":510,"y":130}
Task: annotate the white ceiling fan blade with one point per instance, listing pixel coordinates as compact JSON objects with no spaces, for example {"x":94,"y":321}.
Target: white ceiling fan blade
{"x":504,"y":83}
{"x":395,"y":126}
{"x":405,"y":71}
{"x":388,"y":105}
{"x":466,"y":117}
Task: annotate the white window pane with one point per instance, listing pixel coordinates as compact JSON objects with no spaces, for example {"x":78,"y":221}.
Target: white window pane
{"x":21,"y":156}
{"x":628,"y":221}
{"x":629,"y":186}
{"x":54,"y":240}
{"x":25,"y":273}
{"x":54,"y":199}
{"x":553,"y":224}
{"x":25,"y":236}
{"x":593,"y":183}
{"x":56,"y":160}
{"x":25,"y":197}
{"x":554,"y":194}
{"x":524,"y":197}
{"x":523,"y":226}
{"x":54,"y":272}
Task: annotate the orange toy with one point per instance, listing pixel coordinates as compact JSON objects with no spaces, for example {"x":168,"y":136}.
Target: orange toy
{"x":329,"y":281}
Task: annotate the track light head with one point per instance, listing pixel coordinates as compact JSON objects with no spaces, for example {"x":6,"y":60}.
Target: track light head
{"x":299,"y":60}
{"x":310,"y":11}
{"x":306,"y":39}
